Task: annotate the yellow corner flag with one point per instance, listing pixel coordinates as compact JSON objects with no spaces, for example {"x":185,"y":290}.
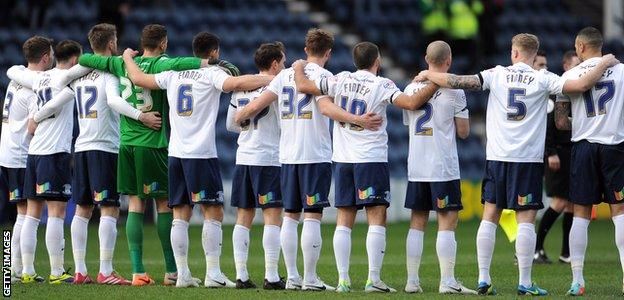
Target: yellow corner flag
{"x":509,"y":224}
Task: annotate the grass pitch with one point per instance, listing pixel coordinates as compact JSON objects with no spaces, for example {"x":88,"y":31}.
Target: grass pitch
{"x":603,"y":272}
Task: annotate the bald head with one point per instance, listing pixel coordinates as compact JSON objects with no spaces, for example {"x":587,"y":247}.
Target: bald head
{"x":437,"y":53}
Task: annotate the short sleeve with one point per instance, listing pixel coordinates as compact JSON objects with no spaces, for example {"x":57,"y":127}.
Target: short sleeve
{"x":406,"y":117}
{"x":328,"y":85}
{"x":217,"y":76}
{"x":163,"y":79}
{"x":460,"y":108}
{"x":554,"y":83}
{"x":275,"y":86}
{"x":487,"y":76}
{"x":388,"y":90}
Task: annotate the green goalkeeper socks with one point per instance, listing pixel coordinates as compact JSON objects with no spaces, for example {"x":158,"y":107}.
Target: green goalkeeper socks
{"x":134,"y":232}
{"x":164,"y":233}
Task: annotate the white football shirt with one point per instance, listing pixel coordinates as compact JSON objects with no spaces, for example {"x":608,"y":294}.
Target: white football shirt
{"x":305,"y":137}
{"x":598,"y":114}
{"x":54,"y":134}
{"x":516,"y":111}
{"x":99,"y":124}
{"x":258,"y":141}
{"x":432,"y":144}
{"x":19,"y":103}
{"x":193,"y":97}
{"x":359,"y":93}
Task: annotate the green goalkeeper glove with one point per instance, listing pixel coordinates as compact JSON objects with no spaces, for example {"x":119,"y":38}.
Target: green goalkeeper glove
{"x":226,"y":66}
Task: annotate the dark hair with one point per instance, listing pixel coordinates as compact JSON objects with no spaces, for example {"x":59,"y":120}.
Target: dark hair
{"x":318,"y":41}
{"x":100,"y":35}
{"x":204,"y":43}
{"x":568,"y":55}
{"x":267,"y":53}
{"x":541,"y":53}
{"x":36,"y":47}
{"x":591,"y":36}
{"x":152,"y":36}
{"x":67,"y":49}
{"x":365,"y":54}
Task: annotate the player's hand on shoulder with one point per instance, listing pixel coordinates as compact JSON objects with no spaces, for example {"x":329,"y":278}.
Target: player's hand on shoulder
{"x":299,"y":63}
{"x":151,"y":120}
{"x":129,"y":53}
{"x":226,"y":66}
{"x":370,"y":121}
{"x":609,"y":60}
{"x":422,"y":76}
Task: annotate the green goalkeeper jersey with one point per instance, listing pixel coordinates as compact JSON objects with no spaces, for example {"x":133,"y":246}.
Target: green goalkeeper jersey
{"x":133,"y":132}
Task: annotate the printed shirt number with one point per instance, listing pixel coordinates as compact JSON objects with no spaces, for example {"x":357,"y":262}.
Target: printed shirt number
{"x":356,"y":107}
{"x":245,"y":124}
{"x":85,"y":104}
{"x":7,"y":107}
{"x":289,"y":105}
{"x":518,"y":107}
{"x":185,"y":100}
{"x":427,"y":110}
{"x":603,"y":99}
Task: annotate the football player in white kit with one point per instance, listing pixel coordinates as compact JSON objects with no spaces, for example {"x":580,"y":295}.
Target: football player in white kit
{"x":19,"y":103}
{"x":362,"y":177}
{"x":256,"y":182}
{"x":597,"y":164}
{"x":194,"y":175}
{"x":305,"y":155}
{"x":433,"y":173}
{"x":516,"y":131}
{"x":95,"y":155}
{"x":47,"y":177}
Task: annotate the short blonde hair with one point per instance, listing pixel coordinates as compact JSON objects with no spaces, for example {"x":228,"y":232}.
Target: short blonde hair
{"x":526,"y":42}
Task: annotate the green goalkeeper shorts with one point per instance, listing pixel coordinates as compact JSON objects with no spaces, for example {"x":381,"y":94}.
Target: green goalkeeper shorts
{"x":142,"y":171}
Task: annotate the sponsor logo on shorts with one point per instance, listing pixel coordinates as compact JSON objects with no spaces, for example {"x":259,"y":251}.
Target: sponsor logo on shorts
{"x":443,"y":202}
{"x":150,"y":188}
{"x":14,"y":194}
{"x":264,"y":199}
{"x":619,"y":195}
{"x":199,"y":196}
{"x":366,"y":193}
{"x":314,"y":199}
{"x":42,"y":188}
{"x":525,"y":200}
{"x":103,"y":195}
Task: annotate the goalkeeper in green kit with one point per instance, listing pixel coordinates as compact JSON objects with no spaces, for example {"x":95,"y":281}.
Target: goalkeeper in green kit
{"x":142,"y":163}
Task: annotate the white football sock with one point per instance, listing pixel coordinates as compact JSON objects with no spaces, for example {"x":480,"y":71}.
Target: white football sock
{"x":28,"y":244}
{"x":107,"y":234}
{"x":55,"y":243}
{"x":79,"y":228}
{"x":375,"y":249}
{"x":446,"y":248}
{"x":414,"y":249}
{"x":342,"y":251}
{"x":16,"y":253}
{"x":271,"y":246}
{"x":311,"y":243}
{"x":289,"y":240}
{"x":212,"y":235}
{"x":486,"y":238}
{"x":618,"y":221}
{"x":180,"y":244}
{"x":578,"y":245}
{"x":240,"y":244}
{"x":525,"y":249}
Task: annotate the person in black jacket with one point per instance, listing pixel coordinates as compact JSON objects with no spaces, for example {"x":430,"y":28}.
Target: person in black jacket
{"x":557,"y":175}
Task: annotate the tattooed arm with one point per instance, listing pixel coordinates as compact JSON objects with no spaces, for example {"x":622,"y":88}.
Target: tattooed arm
{"x":447,"y":80}
{"x":562,"y":112}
